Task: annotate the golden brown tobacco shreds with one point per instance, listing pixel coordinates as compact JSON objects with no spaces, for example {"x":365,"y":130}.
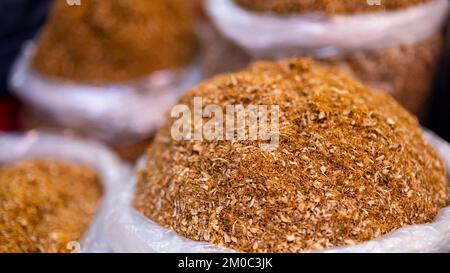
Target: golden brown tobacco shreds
{"x":116,"y":40}
{"x":351,"y":165}
{"x":327,"y":6}
{"x":45,"y":204}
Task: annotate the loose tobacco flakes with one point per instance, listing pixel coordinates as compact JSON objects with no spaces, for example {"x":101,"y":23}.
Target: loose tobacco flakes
{"x":351,"y":165}
{"x":116,"y":40}
{"x":328,"y":6}
{"x":44,"y":205}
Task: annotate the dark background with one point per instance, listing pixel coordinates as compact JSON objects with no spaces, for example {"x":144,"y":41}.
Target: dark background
{"x":21,"y":19}
{"x":439,"y":120}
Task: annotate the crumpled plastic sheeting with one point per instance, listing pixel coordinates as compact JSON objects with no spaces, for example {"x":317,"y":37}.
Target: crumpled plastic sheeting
{"x":111,"y":170}
{"x":129,"y":231}
{"x":108,"y":112}
{"x":321,"y":36}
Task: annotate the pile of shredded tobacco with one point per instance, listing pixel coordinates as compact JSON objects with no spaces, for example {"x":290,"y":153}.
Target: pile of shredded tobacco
{"x":44,"y":205}
{"x":116,"y":40}
{"x":351,"y":165}
{"x":327,"y":6}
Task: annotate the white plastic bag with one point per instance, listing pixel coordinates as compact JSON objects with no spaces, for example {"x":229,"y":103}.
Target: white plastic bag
{"x":321,"y":36}
{"x":110,"y":169}
{"x":128,"y":230}
{"x":110,"y":112}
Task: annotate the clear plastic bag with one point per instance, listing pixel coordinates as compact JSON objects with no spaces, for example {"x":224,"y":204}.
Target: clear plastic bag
{"x":322,"y":36}
{"x":111,"y":170}
{"x":128,"y":230}
{"x":113,"y":113}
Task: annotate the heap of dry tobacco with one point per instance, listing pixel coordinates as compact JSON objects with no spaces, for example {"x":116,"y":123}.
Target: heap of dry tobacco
{"x":328,"y":6}
{"x":116,"y":40}
{"x":44,"y":205}
{"x":351,"y":165}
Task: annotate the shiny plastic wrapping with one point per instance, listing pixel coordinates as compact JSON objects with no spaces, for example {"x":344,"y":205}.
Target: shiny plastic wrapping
{"x":321,"y":36}
{"x":128,"y":230}
{"x":113,"y":113}
{"x":111,"y":171}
